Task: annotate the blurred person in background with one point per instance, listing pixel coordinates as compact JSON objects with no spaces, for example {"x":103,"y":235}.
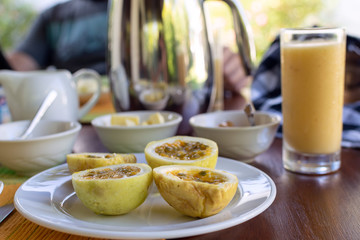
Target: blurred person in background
{"x":70,"y":35}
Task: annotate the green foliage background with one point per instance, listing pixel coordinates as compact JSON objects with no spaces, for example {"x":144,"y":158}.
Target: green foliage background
{"x":267,"y":17}
{"x":15,"y":20}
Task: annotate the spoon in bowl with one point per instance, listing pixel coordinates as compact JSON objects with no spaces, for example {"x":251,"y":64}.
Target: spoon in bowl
{"x":249,"y":110}
{"x":49,"y":99}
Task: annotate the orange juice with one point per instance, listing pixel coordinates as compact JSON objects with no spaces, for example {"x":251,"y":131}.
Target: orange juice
{"x":312,"y":90}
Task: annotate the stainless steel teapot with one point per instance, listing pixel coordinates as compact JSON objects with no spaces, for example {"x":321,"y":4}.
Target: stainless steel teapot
{"x":159,"y":55}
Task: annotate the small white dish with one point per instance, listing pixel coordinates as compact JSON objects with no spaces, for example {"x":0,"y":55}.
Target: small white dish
{"x":46,"y":147}
{"x":49,"y":200}
{"x":241,"y":141}
{"x":158,"y":104}
{"x":130,"y":139}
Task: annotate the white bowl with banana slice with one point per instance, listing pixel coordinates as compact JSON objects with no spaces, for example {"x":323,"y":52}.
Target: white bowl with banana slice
{"x":130,"y":132}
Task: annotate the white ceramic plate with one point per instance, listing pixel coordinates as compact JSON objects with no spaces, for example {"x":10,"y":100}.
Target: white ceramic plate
{"x":48,"y":199}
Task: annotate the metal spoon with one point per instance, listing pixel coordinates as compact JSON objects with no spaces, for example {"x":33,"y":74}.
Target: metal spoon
{"x":249,"y":110}
{"x":49,"y":99}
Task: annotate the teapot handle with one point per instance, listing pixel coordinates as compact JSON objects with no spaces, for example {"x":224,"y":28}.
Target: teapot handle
{"x":244,"y":37}
{"x":89,"y":74}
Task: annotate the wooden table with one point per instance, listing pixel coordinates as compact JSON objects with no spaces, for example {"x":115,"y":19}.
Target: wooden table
{"x":306,"y":207}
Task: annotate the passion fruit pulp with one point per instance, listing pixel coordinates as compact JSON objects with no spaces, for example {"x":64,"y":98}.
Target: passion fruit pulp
{"x":113,"y":190}
{"x":195,"y":191}
{"x":182,"y":150}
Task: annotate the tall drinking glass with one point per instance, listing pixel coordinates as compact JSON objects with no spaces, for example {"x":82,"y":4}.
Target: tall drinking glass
{"x":312,"y":75}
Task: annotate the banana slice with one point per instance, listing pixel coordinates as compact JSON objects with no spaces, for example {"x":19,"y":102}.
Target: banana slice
{"x":134,"y":120}
{"x":79,"y":162}
{"x":156,"y":118}
{"x":129,"y":120}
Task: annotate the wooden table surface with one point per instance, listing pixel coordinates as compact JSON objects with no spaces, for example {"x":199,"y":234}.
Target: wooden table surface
{"x":305,"y":207}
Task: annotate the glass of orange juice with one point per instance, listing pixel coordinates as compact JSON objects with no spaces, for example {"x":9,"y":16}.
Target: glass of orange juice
{"x":312,"y":85}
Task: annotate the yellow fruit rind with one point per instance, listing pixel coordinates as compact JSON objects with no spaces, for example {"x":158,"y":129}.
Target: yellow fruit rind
{"x":79,"y":162}
{"x":191,"y":198}
{"x":113,"y":196}
{"x":155,"y":160}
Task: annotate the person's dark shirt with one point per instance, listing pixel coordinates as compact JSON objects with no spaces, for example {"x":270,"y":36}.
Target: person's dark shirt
{"x":70,"y":35}
{"x":4,"y":64}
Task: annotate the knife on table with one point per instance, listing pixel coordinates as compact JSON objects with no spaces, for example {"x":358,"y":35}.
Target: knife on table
{"x":5,"y":211}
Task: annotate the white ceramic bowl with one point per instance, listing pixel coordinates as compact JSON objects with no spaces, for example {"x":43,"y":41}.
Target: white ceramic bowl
{"x":240,"y":142}
{"x":46,"y":147}
{"x":125,"y":139}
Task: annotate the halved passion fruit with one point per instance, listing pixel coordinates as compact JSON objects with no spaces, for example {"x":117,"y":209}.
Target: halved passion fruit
{"x":195,"y":191}
{"x":113,"y":190}
{"x":182,"y":150}
{"x":79,"y":162}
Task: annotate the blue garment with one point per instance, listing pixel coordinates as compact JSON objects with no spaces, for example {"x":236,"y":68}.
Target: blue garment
{"x":266,"y":91}
{"x":70,"y":35}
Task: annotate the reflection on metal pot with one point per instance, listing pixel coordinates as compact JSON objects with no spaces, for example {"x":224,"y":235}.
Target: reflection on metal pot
{"x":159,"y":56}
